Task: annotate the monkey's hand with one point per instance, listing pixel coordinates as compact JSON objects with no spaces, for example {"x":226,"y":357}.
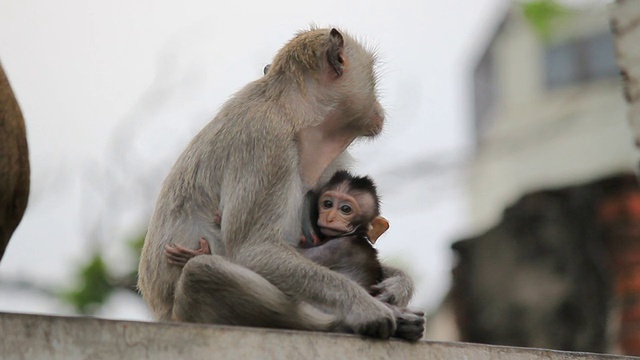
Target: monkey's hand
{"x":373,"y":319}
{"x":410,"y":323}
{"x":178,"y":255}
{"x":396,"y":288}
{"x":305,"y":243}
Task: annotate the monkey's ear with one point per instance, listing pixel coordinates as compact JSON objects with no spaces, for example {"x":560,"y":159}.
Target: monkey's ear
{"x":378,"y":227}
{"x":334,"y":54}
{"x":266,"y":69}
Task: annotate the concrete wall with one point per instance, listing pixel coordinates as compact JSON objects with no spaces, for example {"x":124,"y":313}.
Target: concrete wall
{"x":48,"y":337}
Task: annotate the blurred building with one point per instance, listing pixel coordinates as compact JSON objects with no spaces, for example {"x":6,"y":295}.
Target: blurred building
{"x":552,"y":181}
{"x":546,"y":112}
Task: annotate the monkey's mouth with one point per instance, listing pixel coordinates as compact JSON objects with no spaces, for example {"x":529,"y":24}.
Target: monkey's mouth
{"x":327,"y":231}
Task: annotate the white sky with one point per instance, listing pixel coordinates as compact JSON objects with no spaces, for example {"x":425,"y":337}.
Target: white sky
{"x":152,"y":73}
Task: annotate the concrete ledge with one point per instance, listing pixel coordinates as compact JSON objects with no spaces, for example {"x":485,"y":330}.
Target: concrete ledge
{"x":50,"y":337}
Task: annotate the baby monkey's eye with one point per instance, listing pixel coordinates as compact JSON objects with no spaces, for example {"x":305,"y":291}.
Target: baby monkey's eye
{"x":346,"y":209}
{"x":327,"y":204}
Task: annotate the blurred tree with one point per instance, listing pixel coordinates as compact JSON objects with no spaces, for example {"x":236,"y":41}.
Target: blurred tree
{"x":541,"y":14}
{"x":96,"y":281}
{"x":94,"y":287}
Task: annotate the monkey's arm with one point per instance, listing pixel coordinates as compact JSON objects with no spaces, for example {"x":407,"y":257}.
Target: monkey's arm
{"x":301,"y":279}
{"x":335,"y":254}
{"x":325,"y":255}
{"x":396,"y":288}
{"x":309,"y":237}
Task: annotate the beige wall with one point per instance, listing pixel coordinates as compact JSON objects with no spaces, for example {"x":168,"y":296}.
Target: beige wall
{"x":542,"y":138}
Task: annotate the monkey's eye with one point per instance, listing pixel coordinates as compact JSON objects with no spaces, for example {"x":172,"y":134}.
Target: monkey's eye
{"x":327,"y":204}
{"x":346,"y":209}
{"x":266,"y":69}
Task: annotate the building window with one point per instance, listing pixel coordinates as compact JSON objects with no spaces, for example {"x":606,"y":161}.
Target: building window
{"x":580,"y":60}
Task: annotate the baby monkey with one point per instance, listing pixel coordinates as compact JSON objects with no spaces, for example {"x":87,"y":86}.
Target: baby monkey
{"x":348,"y":222}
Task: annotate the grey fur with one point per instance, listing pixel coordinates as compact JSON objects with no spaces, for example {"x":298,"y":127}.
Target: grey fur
{"x":248,"y":165}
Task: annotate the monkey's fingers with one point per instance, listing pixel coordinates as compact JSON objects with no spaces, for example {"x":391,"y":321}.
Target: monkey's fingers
{"x":374,"y":291}
{"x":177,"y":261}
{"x":383,"y":295}
{"x":410,"y":316}
{"x":204,"y":247}
{"x":177,"y":256}
{"x":179,"y":250}
{"x":410,"y":325}
{"x":382,"y":329}
{"x":410,"y":332}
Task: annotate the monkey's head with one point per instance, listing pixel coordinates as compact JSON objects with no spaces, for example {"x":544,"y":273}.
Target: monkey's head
{"x":336,"y":72}
{"x":347,"y":204}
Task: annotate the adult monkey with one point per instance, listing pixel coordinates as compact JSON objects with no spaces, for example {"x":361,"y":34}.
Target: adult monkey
{"x":254,"y":162}
{"x":14,"y":163}
{"x":347,"y":213}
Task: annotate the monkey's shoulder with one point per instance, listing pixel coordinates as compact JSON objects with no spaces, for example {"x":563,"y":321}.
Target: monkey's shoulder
{"x":361,"y":242}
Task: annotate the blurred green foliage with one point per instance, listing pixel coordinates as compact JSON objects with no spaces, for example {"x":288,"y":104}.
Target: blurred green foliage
{"x":96,"y":281}
{"x":542,"y":13}
{"x":135,"y":245}
{"x":94,"y":287}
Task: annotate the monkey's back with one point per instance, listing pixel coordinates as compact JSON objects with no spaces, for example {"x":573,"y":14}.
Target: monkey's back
{"x":371,"y":268}
{"x":191,"y":194}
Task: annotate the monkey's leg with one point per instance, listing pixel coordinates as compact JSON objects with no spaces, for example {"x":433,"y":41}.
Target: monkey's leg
{"x":396,"y":287}
{"x":213,"y":290}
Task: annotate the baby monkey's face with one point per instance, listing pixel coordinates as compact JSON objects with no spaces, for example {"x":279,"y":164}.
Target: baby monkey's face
{"x":340,"y":212}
